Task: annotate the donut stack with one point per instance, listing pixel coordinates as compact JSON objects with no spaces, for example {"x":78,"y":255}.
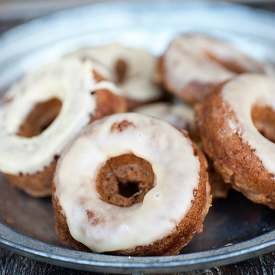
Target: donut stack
{"x":93,"y":130}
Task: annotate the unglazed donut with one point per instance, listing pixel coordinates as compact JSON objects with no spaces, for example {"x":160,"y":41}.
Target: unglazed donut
{"x":182,"y":116}
{"x":194,"y":63}
{"x":45,"y":110}
{"x":172,"y":195}
{"x":236,"y":123}
{"x":132,"y":70}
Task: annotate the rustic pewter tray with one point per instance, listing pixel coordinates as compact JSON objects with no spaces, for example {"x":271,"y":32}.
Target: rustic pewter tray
{"x":235,"y":229}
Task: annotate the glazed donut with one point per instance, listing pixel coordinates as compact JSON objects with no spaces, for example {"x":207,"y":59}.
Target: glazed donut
{"x":167,"y":170}
{"x":194,"y":63}
{"x":236,"y":123}
{"x":131,"y":69}
{"x":43,"y":112}
{"x":182,"y":116}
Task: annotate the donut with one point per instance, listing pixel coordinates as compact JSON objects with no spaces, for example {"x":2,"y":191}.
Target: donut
{"x":130,"y":174}
{"x":182,"y":116}
{"x":236,"y":124}
{"x":132,"y":69}
{"x":194,"y":63}
{"x":41,"y":113}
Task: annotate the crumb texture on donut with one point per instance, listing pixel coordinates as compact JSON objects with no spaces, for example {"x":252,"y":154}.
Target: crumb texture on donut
{"x":241,"y":154}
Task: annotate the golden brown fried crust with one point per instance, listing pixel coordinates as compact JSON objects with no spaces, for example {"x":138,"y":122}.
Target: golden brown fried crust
{"x":232,"y":158}
{"x":137,"y":169}
{"x":39,"y":184}
{"x":263,"y":118}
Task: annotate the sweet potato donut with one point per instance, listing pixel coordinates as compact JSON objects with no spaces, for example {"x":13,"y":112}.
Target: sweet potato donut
{"x":132,"y":70}
{"x":45,"y":110}
{"x":194,"y":63}
{"x":236,"y":123}
{"x":182,"y":116}
{"x":124,"y":176}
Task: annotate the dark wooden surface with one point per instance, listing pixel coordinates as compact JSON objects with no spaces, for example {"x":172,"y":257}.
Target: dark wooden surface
{"x":12,"y":263}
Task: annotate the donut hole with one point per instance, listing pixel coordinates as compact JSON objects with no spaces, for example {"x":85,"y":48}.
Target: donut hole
{"x":124,"y":180}
{"x":263,"y":119}
{"x":121,"y":69}
{"x":128,"y":189}
{"x":40,"y":118}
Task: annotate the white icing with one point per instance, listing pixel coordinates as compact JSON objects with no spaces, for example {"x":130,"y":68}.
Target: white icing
{"x":179,"y":115}
{"x":187,"y":59}
{"x":176,"y":172}
{"x":233,"y":125}
{"x":69,"y":80}
{"x":108,"y":85}
{"x":138,"y":84}
{"x":242,"y":93}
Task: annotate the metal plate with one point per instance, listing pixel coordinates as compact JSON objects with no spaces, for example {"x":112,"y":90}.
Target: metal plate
{"x":235,"y":229}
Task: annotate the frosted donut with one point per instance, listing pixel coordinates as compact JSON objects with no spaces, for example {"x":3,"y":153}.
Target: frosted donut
{"x":41,"y":113}
{"x":194,"y":63}
{"x":131,"y":69}
{"x":182,"y":116}
{"x":236,"y":123}
{"x":130,"y":149}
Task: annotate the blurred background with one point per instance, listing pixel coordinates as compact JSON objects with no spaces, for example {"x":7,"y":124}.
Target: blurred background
{"x":14,"y":12}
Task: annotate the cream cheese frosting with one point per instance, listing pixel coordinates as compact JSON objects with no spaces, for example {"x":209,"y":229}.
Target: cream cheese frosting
{"x":242,"y":93}
{"x":138,"y":83}
{"x":69,"y":80}
{"x":111,"y":228}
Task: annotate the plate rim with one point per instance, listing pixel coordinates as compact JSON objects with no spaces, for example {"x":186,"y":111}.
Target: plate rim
{"x":79,"y":260}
